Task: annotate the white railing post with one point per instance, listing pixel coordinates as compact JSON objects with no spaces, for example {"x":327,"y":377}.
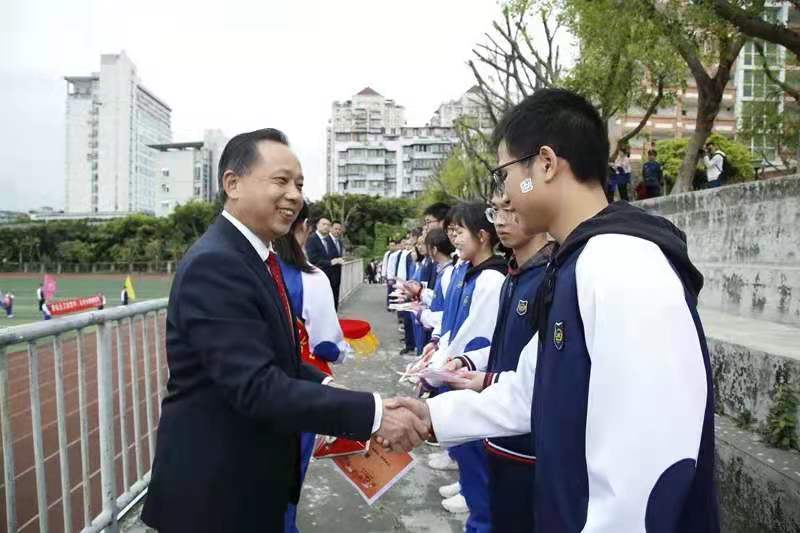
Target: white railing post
{"x":38,"y":444}
{"x":59,"y":331}
{"x":8,"y":444}
{"x":105,"y":404}
{"x":63,"y":443}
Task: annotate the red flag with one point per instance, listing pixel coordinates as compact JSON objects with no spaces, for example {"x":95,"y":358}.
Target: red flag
{"x":50,"y":287}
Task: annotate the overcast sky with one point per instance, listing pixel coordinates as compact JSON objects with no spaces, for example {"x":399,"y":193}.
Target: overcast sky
{"x":236,"y":65}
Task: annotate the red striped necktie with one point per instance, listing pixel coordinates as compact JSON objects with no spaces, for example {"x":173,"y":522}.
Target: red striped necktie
{"x":277,"y":277}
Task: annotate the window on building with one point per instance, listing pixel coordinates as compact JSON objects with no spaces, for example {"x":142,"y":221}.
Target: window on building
{"x":165,"y":172}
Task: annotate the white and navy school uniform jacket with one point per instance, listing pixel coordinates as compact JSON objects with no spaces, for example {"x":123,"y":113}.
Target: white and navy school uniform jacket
{"x":619,"y":386}
{"x":311,"y":298}
{"x":514,"y":329}
{"x":471,"y":314}
{"x":433,"y":298}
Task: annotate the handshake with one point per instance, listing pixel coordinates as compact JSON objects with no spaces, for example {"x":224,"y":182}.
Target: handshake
{"x":406,"y":423}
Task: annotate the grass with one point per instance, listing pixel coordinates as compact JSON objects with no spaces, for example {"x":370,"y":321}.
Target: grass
{"x":74,"y":285}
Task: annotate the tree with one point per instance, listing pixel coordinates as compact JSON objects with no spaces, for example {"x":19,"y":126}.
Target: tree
{"x":510,"y":65}
{"x":632,"y":66}
{"x":461,"y":177}
{"x":701,"y":38}
{"x":76,"y":252}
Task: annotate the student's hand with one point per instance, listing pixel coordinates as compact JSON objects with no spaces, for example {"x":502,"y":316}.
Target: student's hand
{"x":453,"y":365}
{"x":475,"y":383}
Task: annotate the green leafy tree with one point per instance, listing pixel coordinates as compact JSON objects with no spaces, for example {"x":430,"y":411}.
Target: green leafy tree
{"x":709,"y":46}
{"x":75,"y":252}
{"x":632,"y":66}
{"x":782,"y":424}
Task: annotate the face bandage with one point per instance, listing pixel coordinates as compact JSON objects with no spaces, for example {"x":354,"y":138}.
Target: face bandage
{"x":526,"y":185}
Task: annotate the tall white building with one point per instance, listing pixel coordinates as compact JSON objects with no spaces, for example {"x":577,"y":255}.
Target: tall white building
{"x":469,"y":105}
{"x":112,"y":120}
{"x":370,"y":150}
{"x":187,"y":171}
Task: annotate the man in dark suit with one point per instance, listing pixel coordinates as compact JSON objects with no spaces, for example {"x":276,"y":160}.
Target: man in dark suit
{"x":335,"y":238}
{"x":323,"y":254}
{"x":238,"y":394}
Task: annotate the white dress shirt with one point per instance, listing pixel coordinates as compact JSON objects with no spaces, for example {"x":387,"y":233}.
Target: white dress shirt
{"x":263,"y":249}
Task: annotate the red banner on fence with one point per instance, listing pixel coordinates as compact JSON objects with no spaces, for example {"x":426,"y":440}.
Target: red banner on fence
{"x":74,"y":305}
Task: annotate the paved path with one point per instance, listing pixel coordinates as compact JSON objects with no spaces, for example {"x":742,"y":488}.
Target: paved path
{"x":328,"y":503}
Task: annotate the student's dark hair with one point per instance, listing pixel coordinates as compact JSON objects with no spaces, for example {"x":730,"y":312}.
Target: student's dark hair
{"x":438,"y":238}
{"x":448,"y":219}
{"x":289,"y":250}
{"x":562,"y":120}
{"x":241,"y":153}
{"x":416,"y":232}
{"x":438,"y":210}
{"x":472,"y":215}
{"x":392,"y":241}
{"x":652,"y":152}
{"x":336,"y":222}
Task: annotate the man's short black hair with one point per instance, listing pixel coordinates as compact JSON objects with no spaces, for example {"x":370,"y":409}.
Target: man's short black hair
{"x":337,"y":222}
{"x":438,"y":211}
{"x":241,"y":153}
{"x":562,"y":120}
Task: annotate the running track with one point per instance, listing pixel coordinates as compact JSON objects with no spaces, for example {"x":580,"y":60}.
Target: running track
{"x":19,"y":399}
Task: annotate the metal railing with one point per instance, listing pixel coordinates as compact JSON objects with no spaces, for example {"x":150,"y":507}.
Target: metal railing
{"x":133,"y":326}
{"x":352,"y":277}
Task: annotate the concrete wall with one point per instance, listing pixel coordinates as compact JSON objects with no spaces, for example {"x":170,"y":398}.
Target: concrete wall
{"x":745,"y":238}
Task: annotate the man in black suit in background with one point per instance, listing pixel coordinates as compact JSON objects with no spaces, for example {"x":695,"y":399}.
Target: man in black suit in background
{"x":323,"y":254}
{"x":238,"y":395}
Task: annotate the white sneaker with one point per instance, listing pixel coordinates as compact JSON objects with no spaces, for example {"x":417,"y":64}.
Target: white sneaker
{"x":456,"y":504}
{"x":441,"y":461}
{"x":448,"y":491}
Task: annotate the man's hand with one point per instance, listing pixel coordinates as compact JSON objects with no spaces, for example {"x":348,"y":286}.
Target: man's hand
{"x":337,"y":261}
{"x":475,"y":381}
{"x":402,"y":429}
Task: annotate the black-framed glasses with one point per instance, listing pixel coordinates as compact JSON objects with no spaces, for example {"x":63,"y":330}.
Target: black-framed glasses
{"x":499,"y":174}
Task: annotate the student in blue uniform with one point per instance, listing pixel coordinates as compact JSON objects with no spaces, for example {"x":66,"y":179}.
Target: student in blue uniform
{"x":468,"y":325}
{"x":406,"y":267}
{"x":321,"y":340}
{"x":592,"y":382}
{"x":512,"y":459}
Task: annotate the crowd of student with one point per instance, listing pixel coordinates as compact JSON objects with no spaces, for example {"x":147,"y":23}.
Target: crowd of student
{"x":485,"y":285}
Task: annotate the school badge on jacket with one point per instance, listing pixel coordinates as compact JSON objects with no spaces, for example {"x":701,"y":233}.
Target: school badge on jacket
{"x":522,"y":307}
{"x":559,"y":336}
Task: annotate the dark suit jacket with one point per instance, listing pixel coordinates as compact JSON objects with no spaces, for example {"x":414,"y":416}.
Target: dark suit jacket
{"x":317,"y":253}
{"x":227,"y":457}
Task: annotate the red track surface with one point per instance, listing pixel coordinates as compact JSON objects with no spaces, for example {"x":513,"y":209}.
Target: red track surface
{"x":20,"y":409}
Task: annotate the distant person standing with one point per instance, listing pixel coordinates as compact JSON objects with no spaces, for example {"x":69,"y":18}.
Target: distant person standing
{"x":46,"y":315}
{"x":337,"y":252}
{"x":123,"y":296}
{"x":714,"y":161}
{"x":652,"y":175}
{"x":322,"y":253}
{"x":622,"y":165}
{"x":40,"y":296}
{"x":8,"y":304}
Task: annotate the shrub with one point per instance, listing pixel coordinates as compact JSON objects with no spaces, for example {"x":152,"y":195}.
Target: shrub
{"x":671,"y":152}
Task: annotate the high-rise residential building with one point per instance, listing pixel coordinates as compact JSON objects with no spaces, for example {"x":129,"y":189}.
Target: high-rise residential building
{"x":187,"y":171}
{"x":370,"y":150}
{"x":111,"y":121}
{"x":469,"y":105}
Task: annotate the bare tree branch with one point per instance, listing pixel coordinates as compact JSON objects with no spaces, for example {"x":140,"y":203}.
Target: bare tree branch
{"x":750,"y":23}
{"x":651,"y":109}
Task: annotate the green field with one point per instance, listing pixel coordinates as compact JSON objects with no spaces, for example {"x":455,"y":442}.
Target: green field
{"x":73,"y":285}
